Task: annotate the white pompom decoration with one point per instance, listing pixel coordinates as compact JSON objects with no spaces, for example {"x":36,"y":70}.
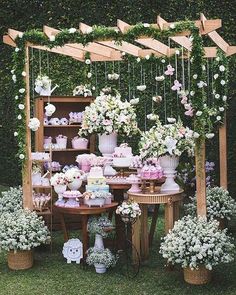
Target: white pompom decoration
{"x":50,"y":109}
{"x":34,"y":124}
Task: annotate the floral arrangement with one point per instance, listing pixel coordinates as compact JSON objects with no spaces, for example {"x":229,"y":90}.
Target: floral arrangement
{"x":74,"y":173}
{"x":82,"y":90}
{"x":42,"y":82}
{"x":195,"y":241}
{"x":99,"y":256}
{"x":96,"y":225}
{"x":108,"y":114}
{"x":11,"y":200}
{"x":170,"y":139}
{"x":34,"y":124}
{"x":22,"y":230}
{"x":59,"y":179}
{"x":219,"y":204}
{"x":113,"y":76}
{"x":129,"y":209}
{"x":96,"y":195}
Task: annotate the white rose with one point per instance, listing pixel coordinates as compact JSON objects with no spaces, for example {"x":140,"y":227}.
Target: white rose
{"x":88,"y":61}
{"x":217,"y":96}
{"x":21,"y":156}
{"x":52,"y":38}
{"x":20,"y":35}
{"x":222,"y":82}
{"x":34,"y":124}
{"x":216,"y":76}
{"x":123,"y":53}
{"x":22,"y":90}
{"x":21,"y":106}
{"x":72,"y":30}
{"x":163,"y":60}
{"x":172,"y":26}
{"x":16,"y":97}
{"x":17,"y":49}
{"x":147,"y":57}
{"x":138,"y":59}
{"x":15,"y":133}
{"x":196,"y":135}
{"x":222,"y":68}
{"x":210,"y":135}
{"x":221,"y":109}
{"x":195,"y":76}
{"x":146,"y":25}
{"x":198,"y":113}
{"x":177,"y":52}
{"x":89,"y":75}
{"x":218,"y":118}
{"x":224,"y":98}
{"x":19,"y":117}
{"x":23,"y":73}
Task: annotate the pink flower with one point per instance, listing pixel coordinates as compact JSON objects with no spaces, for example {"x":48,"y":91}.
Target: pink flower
{"x":189,"y":112}
{"x":176,"y":86}
{"x":184,"y":100}
{"x":170,"y":70}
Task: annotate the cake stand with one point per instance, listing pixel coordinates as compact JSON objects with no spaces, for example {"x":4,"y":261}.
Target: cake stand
{"x":135,"y":182}
{"x":72,"y":202}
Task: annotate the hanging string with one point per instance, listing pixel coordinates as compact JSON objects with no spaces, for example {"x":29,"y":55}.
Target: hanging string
{"x":212,"y":84}
{"x":141,"y":74}
{"x":170,"y":75}
{"x":208,"y":82}
{"x":40,"y":63}
{"x":129,"y":80}
{"x":119,"y":75}
{"x":133,"y":79}
{"x":176,"y":78}
{"x":32,"y":54}
{"x":189,"y":73}
{"x":183,"y":69}
{"x":164,"y":94}
{"x":48,"y":72}
{"x":105,"y":65}
{"x":96,"y":79}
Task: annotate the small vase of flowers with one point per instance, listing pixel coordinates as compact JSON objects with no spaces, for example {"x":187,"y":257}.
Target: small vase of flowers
{"x":129,"y":211}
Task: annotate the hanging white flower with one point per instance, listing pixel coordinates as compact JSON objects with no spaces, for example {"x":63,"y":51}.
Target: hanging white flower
{"x":157,"y":98}
{"x":224,"y":98}
{"x":216,"y":76}
{"x":160,"y":78}
{"x":89,"y":75}
{"x":20,"y":35}
{"x":192,"y":93}
{"x":14,"y":78}
{"x":22,"y":90}
{"x":217,"y":59}
{"x":52,"y":38}
{"x":201,"y":84}
{"x":217,"y":96}
{"x":88,"y":61}
{"x":72,"y":30}
{"x":23,"y":74}
{"x":138,"y":59}
{"x":198,"y":113}
{"x":15,"y":133}
{"x":16,"y":97}
{"x":172,"y":26}
{"x":12,"y":71}
{"x":50,"y":109}
{"x":195,"y":76}
{"x":163,"y":60}
{"x":141,"y":87}
{"x":210,"y":135}
{"x":177,"y":52}
{"x":146,"y":25}
{"x":19,"y":117}
{"x":123,"y":53}
{"x":134,"y":101}
{"x":147,"y":57}
{"x":190,"y":38}
{"x":170,"y":144}
{"x":218,"y":118}
{"x":222,"y":68}
{"x":89,"y":30}
{"x":21,"y":106}
{"x":152,"y":117}
{"x":196,"y":135}
{"x":93,"y":88}
{"x":171,"y":120}
{"x":221,"y":109}
{"x":203,"y":67}
{"x":21,"y":156}
{"x":34,"y":124}
{"x":222,"y":82}
{"x":17,"y":49}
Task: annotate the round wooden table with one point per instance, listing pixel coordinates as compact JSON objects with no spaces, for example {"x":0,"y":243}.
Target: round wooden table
{"x":85,"y":212}
{"x":141,"y":237}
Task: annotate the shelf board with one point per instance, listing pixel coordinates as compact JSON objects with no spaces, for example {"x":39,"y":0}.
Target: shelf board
{"x":71,"y":150}
{"x":46,"y":212}
{"x":41,"y":186}
{"x":41,"y":161}
{"x":62,"y":126}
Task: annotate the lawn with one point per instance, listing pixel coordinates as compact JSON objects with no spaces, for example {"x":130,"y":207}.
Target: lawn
{"x":51,"y":275}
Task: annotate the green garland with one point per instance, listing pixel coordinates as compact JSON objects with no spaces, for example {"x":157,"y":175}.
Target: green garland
{"x":103,"y":33}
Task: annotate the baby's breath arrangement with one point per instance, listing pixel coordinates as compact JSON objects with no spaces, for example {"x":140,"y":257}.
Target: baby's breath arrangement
{"x":11,"y":200}
{"x":101,"y":256}
{"x":97,"y":225}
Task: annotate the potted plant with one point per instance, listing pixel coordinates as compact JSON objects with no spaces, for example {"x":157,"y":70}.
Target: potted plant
{"x":59,"y":182}
{"x":129,"y":211}
{"x":101,"y":259}
{"x":108,"y":116}
{"x":197,"y":245}
{"x":74,"y":176}
{"x":220,"y":205}
{"x":97,"y":198}
{"x":21,"y":232}
{"x":100,"y":227}
{"x":11,"y":200}
{"x":168,"y":142}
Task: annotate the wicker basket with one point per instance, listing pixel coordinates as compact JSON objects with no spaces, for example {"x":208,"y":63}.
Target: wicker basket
{"x":20,"y":259}
{"x":199,"y":276}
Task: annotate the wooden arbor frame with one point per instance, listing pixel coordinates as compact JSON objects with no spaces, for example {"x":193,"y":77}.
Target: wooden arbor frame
{"x":108,"y":50}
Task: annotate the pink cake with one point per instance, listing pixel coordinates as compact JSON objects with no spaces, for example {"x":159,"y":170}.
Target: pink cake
{"x":122,"y":156}
{"x":151,"y":172}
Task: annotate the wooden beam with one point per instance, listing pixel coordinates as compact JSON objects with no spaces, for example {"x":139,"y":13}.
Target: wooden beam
{"x":231,"y":50}
{"x":8,"y":40}
{"x":92,"y":47}
{"x":223,"y":154}
{"x":27,"y":169}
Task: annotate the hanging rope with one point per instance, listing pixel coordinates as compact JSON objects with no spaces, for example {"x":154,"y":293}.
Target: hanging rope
{"x":129,"y":88}
{"x":40,"y":63}
{"x":164,"y":95}
{"x":33,"y":81}
{"x":96,"y":79}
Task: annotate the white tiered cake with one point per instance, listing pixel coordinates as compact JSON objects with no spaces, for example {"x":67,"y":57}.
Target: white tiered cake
{"x":122,"y":156}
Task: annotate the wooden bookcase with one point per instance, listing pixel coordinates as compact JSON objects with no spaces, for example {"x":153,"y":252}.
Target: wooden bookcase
{"x":64,"y":105}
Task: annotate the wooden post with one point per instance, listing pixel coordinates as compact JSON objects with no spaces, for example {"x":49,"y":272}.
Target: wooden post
{"x":200,"y":177}
{"x":223,"y":154}
{"x":26,"y":173}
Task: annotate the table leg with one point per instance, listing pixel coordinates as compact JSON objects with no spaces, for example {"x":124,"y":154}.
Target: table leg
{"x":63,"y":225}
{"x":144,"y":233}
{"x":153,"y":224}
{"x":169,"y":216}
{"x":136,"y":241}
{"x":85,"y":234}
{"x":176,"y":210}
{"x":120,"y":227}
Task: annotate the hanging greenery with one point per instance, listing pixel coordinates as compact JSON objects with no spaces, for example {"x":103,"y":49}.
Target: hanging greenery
{"x":194,"y":101}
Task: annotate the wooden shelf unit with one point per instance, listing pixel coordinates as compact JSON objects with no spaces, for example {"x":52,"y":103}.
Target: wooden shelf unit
{"x":64,"y":105}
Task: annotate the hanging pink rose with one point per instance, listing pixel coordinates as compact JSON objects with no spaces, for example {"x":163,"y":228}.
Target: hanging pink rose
{"x":184,"y":100}
{"x":170,"y":70}
{"x":176,"y":86}
{"x":189,"y":112}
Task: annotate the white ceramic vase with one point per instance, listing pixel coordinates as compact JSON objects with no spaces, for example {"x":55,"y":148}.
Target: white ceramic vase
{"x":107,"y":144}
{"x":60,"y":189}
{"x":100,"y":268}
{"x":75,"y":184}
{"x":99,"y":242}
{"x":169,"y":165}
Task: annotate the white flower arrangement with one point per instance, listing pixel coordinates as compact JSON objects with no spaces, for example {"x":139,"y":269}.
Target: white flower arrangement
{"x":59,"y":179}
{"x":43,"y":82}
{"x":96,"y":225}
{"x":11,"y":200}
{"x":101,"y":256}
{"x":113,"y":76}
{"x":141,"y":87}
{"x":82,"y":90}
{"x":194,"y":242}
{"x":129,"y":209}
{"x":73,"y":174}
{"x":96,"y":195}
{"x":22,"y":230}
{"x":219,"y":204}
{"x":171,"y":139}
{"x":34,"y":124}
{"x":108,"y":114}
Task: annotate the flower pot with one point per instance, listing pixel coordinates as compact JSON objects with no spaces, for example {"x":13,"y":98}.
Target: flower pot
{"x":20,"y":260}
{"x":61,"y":142}
{"x":107,"y":144}
{"x":100,"y":268}
{"x":199,"y":276}
{"x":36,"y":178}
{"x":169,"y":165}
{"x":98,"y":242}
{"x":79,"y":143}
{"x":75,"y":184}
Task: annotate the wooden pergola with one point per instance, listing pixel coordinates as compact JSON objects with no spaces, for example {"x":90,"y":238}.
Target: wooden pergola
{"x":109,"y":50}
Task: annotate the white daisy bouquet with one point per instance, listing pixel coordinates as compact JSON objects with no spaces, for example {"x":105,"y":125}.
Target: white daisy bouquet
{"x":170,"y":139}
{"x":108,"y":114}
{"x":195,"y":242}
